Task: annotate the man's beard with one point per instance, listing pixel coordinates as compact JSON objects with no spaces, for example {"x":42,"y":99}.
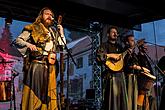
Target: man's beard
{"x":113,"y":39}
{"x":47,"y":24}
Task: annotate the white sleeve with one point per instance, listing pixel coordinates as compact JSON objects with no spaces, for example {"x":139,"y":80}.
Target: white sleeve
{"x":21,"y":42}
{"x":61,"y":40}
{"x":22,"y":38}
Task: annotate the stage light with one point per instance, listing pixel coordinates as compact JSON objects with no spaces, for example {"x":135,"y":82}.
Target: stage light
{"x":8,"y":20}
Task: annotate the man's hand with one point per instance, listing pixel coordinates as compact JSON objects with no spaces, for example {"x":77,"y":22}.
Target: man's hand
{"x":61,"y":30}
{"x":114,"y":56}
{"x":137,"y":67}
{"x":32,"y":47}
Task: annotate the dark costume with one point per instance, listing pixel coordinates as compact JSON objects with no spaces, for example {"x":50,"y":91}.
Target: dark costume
{"x":145,"y":84}
{"x":161,"y":65}
{"x":39,"y":90}
{"x":131,"y":79}
{"x":115,"y":97}
{"x":162,"y":105}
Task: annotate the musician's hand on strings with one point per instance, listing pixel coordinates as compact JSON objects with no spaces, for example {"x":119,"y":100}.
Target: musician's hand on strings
{"x":118,"y":57}
{"x":115,"y":57}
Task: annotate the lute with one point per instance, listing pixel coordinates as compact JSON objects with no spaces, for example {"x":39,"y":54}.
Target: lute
{"x":115,"y":64}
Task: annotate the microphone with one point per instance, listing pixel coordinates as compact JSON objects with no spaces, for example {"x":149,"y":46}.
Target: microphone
{"x":141,"y":42}
{"x":141,"y":45}
{"x":54,"y":21}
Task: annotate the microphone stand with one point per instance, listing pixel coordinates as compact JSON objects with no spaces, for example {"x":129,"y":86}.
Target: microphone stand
{"x":156,"y":64}
{"x":68,"y":55}
{"x":141,"y":42}
{"x":12,"y":96}
{"x":150,"y":42}
{"x":157,"y":67}
{"x":155,"y":44}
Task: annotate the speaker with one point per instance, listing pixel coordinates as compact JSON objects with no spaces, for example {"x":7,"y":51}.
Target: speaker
{"x":90,"y":94}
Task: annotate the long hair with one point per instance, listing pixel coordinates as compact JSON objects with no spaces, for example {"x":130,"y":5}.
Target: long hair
{"x":40,"y":15}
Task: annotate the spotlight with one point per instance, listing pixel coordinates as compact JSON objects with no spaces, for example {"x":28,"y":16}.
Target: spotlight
{"x":8,"y":20}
